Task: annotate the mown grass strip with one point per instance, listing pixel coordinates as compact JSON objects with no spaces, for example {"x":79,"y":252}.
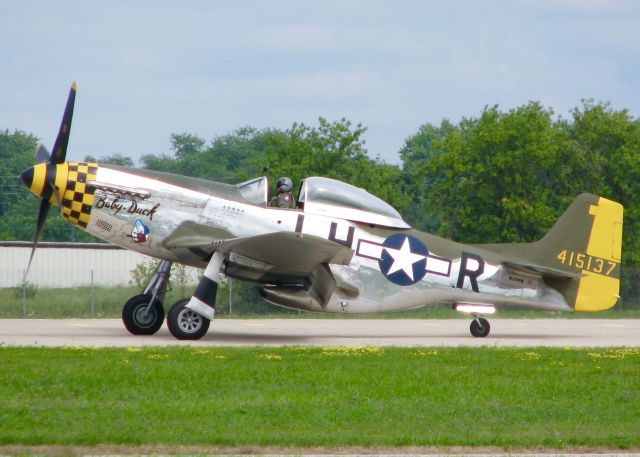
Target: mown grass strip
{"x":331,"y":397}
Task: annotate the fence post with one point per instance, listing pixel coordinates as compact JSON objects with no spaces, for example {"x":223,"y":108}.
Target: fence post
{"x":230,"y":303}
{"x":92,"y":305}
{"x":24,"y":293}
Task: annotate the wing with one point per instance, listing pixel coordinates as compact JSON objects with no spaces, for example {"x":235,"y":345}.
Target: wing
{"x":286,"y":260}
{"x":265,"y":258}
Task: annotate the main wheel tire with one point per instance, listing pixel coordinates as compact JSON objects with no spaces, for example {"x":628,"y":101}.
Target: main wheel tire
{"x":186,"y":324}
{"x":136,"y":318}
{"x":480,"y":327}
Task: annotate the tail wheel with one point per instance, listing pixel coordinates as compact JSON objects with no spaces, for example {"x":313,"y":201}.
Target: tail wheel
{"x":480,"y":327}
{"x":186,"y":324}
{"x":139,"y":319}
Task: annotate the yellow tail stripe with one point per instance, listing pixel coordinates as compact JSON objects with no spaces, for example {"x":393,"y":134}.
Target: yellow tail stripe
{"x":598,"y":292}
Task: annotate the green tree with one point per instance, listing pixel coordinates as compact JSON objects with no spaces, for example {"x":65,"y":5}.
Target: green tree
{"x":243,"y":152}
{"x":417,"y":152}
{"x":229,"y":158}
{"x":17,"y":152}
{"x":334,"y":150}
{"x":18,"y":207}
{"x":113,"y":159}
{"x":186,"y":148}
{"x":496,"y":178}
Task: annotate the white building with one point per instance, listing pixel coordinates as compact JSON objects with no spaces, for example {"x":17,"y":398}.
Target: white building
{"x":71,"y":264}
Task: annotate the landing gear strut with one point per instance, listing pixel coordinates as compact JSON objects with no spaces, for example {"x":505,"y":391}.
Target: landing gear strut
{"x":480,"y":327}
{"x":143,"y":314}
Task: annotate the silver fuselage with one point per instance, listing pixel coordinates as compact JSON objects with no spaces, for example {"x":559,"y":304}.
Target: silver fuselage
{"x":125,"y":196}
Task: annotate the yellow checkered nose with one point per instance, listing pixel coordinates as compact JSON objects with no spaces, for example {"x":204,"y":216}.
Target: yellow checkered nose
{"x":77,"y":199}
{"x":66,"y":185}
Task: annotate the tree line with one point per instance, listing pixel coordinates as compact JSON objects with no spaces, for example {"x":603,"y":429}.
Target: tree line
{"x":501,"y":176}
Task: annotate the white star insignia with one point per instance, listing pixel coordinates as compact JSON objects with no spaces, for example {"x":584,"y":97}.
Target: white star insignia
{"x":403,"y":259}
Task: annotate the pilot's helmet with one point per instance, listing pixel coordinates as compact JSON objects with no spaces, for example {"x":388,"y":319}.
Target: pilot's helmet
{"x":284,"y":184}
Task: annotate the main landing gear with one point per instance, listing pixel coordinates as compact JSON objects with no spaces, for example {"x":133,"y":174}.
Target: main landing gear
{"x":143,"y":314}
{"x":187,"y":319}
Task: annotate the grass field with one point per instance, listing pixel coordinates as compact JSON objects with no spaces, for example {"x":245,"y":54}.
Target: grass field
{"x":329,"y":397}
{"x":79,"y":302}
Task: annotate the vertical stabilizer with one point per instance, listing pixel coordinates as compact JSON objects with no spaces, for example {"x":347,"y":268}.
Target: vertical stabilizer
{"x":587,"y":239}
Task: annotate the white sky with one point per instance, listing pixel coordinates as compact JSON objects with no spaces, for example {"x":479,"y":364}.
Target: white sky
{"x":146,"y":69}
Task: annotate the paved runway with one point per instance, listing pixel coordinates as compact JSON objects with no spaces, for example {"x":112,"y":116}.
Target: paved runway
{"x":331,"y":332}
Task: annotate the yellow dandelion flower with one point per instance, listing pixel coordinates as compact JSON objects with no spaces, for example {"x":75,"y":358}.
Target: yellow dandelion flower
{"x":157,"y":356}
{"x":347,"y":351}
{"x":269,"y":357}
{"x":426,"y":353}
{"x":529,"y":356}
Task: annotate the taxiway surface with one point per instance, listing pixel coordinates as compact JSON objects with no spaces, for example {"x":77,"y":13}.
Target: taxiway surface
{"x":331,"y":332}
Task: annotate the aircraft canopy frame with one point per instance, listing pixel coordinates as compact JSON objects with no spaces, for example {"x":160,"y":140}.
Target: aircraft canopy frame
{"x":255,"y":190}
{"x":330,"y":197}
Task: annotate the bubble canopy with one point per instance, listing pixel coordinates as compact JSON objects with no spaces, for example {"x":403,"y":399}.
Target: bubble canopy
{"x":330,"y":197}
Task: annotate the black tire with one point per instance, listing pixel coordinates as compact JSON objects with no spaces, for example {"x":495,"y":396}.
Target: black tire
{"x":185,"y":324}
{"x":480,"y":327}
{"x":137,"y":320}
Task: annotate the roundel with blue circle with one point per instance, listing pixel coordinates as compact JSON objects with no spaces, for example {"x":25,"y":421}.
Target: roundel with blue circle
{"x":403,"y":260}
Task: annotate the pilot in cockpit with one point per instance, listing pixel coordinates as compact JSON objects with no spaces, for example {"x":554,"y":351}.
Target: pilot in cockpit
{"x":283,"y":197}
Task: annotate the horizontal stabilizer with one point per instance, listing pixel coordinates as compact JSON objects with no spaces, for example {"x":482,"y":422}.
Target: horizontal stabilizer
{"x":543,"y":270}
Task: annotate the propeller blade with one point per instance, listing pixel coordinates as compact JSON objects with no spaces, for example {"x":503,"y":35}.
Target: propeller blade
{"x":60,"y":147}
{"x":57,"y":156}
{"x":42,"y":154}
{"x":42,"y":217}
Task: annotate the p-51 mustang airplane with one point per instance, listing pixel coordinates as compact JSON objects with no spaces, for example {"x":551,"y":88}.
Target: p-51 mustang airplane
{"x":341,"y":250}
